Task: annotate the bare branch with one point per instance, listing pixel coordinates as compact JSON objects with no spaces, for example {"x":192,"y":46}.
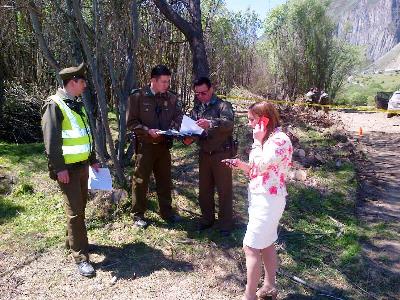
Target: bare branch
{"x":42,"y":43}
{"x":72,"y":19}
{"x":98,"y":80}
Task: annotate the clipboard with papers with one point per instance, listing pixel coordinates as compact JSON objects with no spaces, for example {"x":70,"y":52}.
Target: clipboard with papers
{"x":188,"y":128}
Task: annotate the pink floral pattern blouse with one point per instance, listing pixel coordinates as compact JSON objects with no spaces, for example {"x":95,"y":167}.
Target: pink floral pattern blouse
{"x":270,"y":164}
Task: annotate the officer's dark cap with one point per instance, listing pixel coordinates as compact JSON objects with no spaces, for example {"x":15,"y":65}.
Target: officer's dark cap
{"x":73,"y":72}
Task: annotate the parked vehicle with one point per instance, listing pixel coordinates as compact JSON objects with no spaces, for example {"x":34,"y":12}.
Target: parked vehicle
{"x":394,"y":105}
{"x":382,"y":99}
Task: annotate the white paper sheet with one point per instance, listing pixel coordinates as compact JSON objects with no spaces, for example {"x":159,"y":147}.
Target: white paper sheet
{"x":100,"y":180}
{"x":170,"y":132}
{"x":189,"y":126}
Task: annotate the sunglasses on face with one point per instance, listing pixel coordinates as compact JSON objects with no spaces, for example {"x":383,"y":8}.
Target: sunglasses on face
{"x":201,"y":93}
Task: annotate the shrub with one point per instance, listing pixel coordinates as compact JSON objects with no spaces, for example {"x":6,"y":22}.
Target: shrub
{"x":24,"y":189}
{"x":20,"y":115}
{"x":359,"y":99}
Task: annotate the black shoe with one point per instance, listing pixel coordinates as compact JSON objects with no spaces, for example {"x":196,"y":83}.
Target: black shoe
{"x":140,"y":222}
{"x":202,"y":226}
{"x":174,"y":219}
{"x":86,"y":269}
{"x":225,"y":233}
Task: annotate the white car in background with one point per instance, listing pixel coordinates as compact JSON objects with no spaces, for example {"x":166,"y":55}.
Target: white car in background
{"x":394,"y":104}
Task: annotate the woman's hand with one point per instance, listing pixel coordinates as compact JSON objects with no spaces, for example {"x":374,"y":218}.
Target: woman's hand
{"x":236,"y":163}
{"x":259,"y":133}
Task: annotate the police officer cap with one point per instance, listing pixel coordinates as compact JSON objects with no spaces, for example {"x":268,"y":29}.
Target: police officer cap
{"x":73,"y":72}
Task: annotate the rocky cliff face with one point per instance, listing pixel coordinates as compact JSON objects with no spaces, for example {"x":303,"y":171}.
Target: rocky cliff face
{"x":374,"y":24}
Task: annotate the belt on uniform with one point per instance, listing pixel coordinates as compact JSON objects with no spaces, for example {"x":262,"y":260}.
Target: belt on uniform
{"x":214,"y":152}
{"x":154,"y":143}
{"x":78,"y":164}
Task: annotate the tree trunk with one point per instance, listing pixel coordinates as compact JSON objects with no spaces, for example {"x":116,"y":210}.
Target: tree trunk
{"x":130,"y":82}
{"x":199,"y":56}
{"x":2,"y":79}
{"x":193,"y":32}
{"x":89,"y":100}
{"x":37,"y":28}
{"x":98,"y":80}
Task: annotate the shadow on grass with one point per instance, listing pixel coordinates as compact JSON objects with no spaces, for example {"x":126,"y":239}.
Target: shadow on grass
{"x":325,"y":233}
{"x":31,"y":155}
{"x":137,"y":260}
{"x":211,"y":235}
{"x":190,"y":223}
{"x":8,"y":210}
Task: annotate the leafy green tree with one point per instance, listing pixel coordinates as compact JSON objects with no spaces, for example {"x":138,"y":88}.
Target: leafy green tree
{"x":303,"y":50}
{"x":231,"y":40}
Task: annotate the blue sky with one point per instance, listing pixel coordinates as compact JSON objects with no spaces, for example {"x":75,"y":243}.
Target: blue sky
{"x":259,"y":6}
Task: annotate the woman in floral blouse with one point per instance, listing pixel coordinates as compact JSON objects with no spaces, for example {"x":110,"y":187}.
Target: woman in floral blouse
{"x":269,"y":162}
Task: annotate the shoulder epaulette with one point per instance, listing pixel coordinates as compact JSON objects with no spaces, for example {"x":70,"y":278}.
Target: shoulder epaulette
{"x":134,"y":91}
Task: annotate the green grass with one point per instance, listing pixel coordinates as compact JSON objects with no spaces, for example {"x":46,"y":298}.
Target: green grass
{"x":29,"y":218}
{"x":28,"y":157}
{"x":363,"y":88}
{"x":320,"y":236}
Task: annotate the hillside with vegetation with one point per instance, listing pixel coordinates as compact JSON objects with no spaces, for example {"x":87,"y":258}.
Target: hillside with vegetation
{"x":361,"y":89}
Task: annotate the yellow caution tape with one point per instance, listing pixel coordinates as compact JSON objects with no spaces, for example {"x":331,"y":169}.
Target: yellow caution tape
{"x":330,"y":106}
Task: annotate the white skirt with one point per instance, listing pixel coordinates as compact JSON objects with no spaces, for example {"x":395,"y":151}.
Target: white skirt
{"x":264,"y":215}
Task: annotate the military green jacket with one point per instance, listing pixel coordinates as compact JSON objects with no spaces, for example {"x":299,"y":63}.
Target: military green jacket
{"x":52,"y":118}
{"x":148,"y":111}
{"x":219,"y":136}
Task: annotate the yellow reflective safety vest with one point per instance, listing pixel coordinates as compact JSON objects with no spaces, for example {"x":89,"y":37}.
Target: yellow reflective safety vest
{"x":75,"y":130}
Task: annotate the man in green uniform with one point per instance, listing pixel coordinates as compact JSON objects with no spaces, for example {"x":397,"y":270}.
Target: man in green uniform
{"x":216,"y":117}
{"x":69,"y":149}
{"x":151,"y":109}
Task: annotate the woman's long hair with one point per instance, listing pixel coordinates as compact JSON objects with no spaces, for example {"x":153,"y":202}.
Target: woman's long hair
{"x":266,"y":109}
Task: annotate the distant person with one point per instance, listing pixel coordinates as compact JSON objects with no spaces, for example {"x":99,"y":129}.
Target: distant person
{"x":316,"y":95}
{"x":151,"y":109}
{"x":324,"y":100}
{"x":268,"y":166}
{"x":309,"y":96}
{"x":216,"y":117}
{"x":70,"y":150}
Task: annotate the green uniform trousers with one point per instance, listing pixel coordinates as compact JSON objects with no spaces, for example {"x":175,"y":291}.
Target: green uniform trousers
{"x":154,"y":158}
{"x":214,"y":174}
{"x":75,"y":199}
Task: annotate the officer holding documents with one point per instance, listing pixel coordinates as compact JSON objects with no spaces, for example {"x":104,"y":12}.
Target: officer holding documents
{"x":150,"y":110}
{"x":70,"y":150}
{"x":216,"y":117}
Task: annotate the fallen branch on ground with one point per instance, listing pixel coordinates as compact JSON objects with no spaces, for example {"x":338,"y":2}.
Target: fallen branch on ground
{"x":309,"y":285}
{"x":23,"y":264}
